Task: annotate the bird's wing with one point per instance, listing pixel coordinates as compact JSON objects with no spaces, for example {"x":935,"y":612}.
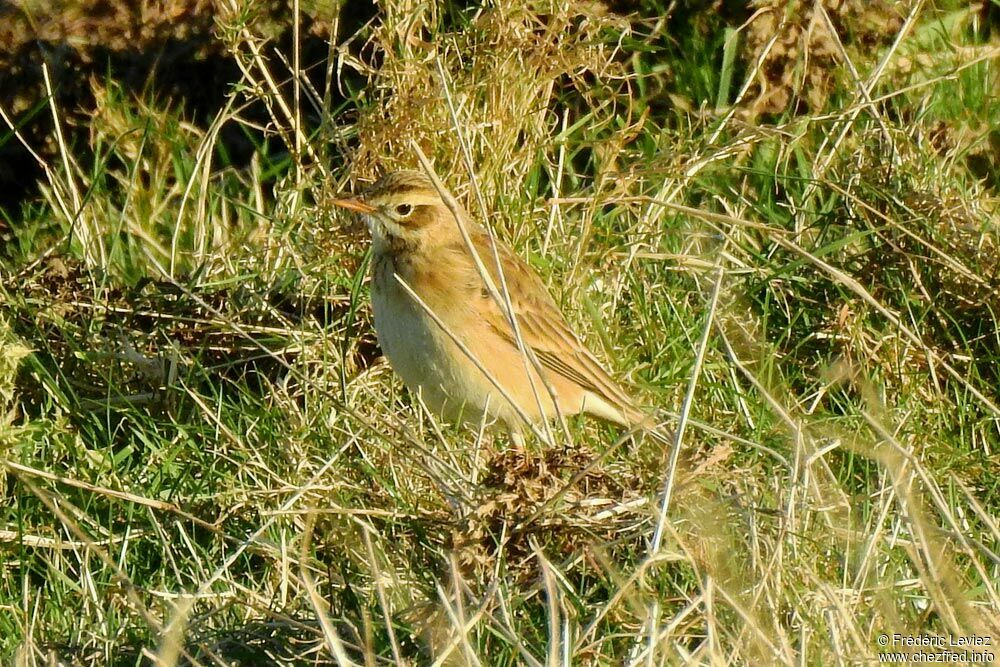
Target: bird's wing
{"x":543,"y":327}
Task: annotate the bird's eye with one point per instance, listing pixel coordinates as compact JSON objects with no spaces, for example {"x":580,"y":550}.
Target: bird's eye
{"x":403,"y":210}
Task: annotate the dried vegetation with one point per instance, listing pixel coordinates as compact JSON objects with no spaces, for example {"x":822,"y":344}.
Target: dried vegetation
{"x":207,"y":463}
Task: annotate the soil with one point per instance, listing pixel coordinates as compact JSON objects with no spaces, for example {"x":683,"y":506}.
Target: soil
{"x":170,"y":50}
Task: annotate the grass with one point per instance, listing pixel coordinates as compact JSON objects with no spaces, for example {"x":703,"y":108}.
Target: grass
{"x":784,"y":239}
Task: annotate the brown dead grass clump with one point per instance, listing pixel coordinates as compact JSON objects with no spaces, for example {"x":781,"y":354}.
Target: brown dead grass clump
{"x":503,"y":72}
{"x":115,"y":26}
{"x":80,"y":33}
{"x":802,"y":61}
{"x":560,"y":500}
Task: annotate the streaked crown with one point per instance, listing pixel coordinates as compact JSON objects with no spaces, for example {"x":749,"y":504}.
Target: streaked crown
{"x":402,"y":186}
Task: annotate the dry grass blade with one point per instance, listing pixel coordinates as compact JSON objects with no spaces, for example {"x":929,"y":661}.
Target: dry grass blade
{"x":111,"y":493}
{"x":668,"y":480}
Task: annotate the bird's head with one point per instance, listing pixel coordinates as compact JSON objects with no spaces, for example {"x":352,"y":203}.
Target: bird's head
{"x":402,"y":206}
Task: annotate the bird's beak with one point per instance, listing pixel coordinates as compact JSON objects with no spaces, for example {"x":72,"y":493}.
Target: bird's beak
{"x":354,"y":205}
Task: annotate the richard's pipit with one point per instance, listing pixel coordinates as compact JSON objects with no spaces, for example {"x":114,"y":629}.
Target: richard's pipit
{"x":446,"y":331}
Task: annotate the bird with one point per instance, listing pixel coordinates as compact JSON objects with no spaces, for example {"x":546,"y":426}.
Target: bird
{"x":476,"y":334}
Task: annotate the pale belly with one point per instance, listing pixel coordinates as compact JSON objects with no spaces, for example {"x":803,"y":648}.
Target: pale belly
{"x":453,"y":385}
{"x":429,"y":362}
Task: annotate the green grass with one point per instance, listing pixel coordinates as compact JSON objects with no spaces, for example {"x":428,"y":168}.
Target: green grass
{"x":207,"y":462}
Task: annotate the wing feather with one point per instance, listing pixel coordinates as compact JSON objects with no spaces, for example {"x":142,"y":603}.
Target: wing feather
{"x":543,"y":327}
